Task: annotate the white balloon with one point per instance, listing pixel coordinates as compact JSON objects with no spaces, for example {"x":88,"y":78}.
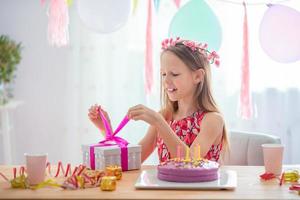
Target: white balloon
{"x":279,"y":33}
{"x":104,"y":16}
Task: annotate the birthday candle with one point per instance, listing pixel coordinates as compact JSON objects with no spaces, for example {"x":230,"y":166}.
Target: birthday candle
{"x":199,"y":152}
{"x":187,"y":153}
{"x":179,"y":152}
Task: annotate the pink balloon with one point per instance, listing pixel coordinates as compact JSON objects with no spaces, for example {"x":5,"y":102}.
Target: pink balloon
{"x":279,"y":33}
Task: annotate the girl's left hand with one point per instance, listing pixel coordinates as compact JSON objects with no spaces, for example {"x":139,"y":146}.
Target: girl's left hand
{"x":141,"y":112}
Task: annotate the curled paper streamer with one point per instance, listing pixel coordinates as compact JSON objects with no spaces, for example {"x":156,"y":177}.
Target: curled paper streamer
{"x":49,"y":182}
{"x":267,"y":176}
{"x":21,"y":181}
{"x":73,"y":183}
{"x":291,"y":176}
{"x":295,"y":187}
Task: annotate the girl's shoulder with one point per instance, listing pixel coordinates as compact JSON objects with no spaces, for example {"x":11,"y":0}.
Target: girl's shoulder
{"x":212,"y":114}
{"x":213,"y":118}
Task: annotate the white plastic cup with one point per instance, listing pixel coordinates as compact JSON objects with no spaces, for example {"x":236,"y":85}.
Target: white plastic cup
{"x":36,"y":167}
{"x":273,"y":155}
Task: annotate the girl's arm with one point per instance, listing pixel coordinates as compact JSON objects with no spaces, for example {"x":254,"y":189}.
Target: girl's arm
{"x":171,"y":140}
{"x":159,"y":125}
{"x":211,"y":129}
{"x":148,"y":143}
{"x":211,"y":132}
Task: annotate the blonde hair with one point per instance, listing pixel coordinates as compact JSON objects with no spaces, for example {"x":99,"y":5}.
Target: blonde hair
{"x":194,"y":60}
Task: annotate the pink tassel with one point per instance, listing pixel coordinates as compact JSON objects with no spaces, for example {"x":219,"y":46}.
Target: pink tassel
{"x":149,"y":63}
{"x":177,"y":3}
{"x":245,"y":96}
{"x":58,"y":21}
{"x":43,"y":2}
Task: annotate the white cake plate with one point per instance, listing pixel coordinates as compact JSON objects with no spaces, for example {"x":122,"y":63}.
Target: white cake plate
{"x":148,"y":180}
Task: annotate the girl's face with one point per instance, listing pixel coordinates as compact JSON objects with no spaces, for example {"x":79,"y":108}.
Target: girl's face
{"x":179,"y":82}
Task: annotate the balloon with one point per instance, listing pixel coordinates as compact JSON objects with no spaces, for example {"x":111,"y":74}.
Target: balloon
{"x":104,"y":16}
{"x":279,"y":33}
{"x":196,"y":21}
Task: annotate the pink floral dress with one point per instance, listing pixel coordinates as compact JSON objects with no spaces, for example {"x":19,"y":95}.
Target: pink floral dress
{"x":187,"y":130}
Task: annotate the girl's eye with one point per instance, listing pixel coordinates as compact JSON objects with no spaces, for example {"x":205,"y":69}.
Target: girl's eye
{"x":172,"y":74}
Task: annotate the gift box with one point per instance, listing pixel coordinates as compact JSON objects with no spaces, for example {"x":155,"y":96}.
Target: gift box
{"x":113,"y":150}
{"x":112,"y":155}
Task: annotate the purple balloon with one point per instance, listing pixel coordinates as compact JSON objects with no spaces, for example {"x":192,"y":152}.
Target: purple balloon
{"x":279,"y":33}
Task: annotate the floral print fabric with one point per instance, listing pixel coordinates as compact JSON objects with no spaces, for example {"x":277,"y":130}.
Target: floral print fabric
{"x":187,"y":130}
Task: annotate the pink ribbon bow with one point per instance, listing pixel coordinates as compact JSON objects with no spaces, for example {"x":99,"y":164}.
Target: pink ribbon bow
{"x":112,"y":139}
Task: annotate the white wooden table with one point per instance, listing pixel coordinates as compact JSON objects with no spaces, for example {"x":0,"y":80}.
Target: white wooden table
{"x":249,"y":186}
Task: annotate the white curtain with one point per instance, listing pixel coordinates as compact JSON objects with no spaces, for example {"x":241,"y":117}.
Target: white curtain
{"x":112,"y":74}
{"x":275,"y":86}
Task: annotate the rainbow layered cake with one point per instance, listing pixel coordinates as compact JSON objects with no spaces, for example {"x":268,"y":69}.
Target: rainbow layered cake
{"x":177,"y":170}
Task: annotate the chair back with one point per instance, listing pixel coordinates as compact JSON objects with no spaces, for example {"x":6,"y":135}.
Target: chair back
{"x":246,"y":149}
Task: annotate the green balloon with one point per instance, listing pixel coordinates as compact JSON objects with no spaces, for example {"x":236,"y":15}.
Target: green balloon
{"x":196,"y":21}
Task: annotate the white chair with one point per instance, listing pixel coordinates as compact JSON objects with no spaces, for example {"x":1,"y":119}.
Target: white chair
{"x":245,"y":147}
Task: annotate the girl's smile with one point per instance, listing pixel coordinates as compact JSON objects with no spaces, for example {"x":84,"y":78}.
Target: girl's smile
{"x":170,"y":90}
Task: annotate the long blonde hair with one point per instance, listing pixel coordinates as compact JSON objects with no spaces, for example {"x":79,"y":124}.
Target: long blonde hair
{"x":194,"y":60}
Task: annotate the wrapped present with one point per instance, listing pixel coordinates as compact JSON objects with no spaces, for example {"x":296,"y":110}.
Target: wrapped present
{"x":113,"y":150}
{"x":105,"y":156}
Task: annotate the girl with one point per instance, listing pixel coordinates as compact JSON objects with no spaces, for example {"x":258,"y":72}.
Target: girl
{"x":189,"y":114}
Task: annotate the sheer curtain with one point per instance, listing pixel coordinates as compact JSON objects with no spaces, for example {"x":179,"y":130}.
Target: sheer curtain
{"x":109,"y":70}
{"x":275,"y":86}
{"x":58,"y":85}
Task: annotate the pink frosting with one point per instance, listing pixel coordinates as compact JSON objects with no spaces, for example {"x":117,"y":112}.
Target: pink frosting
{"x":182,"y":171}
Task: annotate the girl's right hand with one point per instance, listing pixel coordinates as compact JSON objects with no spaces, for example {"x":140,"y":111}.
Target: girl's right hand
{"x":94,"y":116}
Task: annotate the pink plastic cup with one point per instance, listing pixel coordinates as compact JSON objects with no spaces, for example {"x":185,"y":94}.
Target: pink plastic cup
{"x":36,"y":167}
{"x":273,"y":154}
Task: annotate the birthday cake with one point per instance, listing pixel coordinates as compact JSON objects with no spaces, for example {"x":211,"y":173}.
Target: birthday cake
{"x":179,"y":170}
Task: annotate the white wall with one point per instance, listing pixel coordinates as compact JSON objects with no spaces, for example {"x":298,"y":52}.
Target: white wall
{"x":41,"y":82}
{"x":57,"y":85}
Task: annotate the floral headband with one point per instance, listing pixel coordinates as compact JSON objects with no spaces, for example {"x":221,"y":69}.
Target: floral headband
{"x":212,"y":57}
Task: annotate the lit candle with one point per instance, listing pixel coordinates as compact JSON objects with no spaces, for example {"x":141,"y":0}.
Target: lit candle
{"x":178,"y":152}
{"x":187,"y":153}
{"x":199,"y":152}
